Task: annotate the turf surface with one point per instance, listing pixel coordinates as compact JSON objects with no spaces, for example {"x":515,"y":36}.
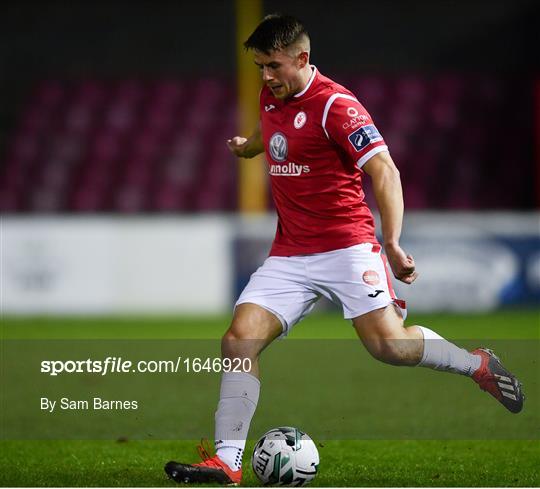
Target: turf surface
{"x":387,"y":463}
{"x":506,"y":324}
{"x":343,"y":463}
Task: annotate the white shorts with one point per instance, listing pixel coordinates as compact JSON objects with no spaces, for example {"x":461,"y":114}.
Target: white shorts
{"x":356,"y":279}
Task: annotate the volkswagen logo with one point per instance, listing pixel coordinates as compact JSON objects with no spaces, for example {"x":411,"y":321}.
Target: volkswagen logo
{"x":278,"y":147}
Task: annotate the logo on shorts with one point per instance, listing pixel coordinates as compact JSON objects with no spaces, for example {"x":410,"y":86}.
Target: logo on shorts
{"x":371,"y":277}
{"x":278,"y":147}
{"x":299,"y":120}
{"x":376,"y":293}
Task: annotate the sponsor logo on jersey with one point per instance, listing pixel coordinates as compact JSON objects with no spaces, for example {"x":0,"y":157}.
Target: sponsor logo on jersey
{"x":364,"y":136}
{"x":268,"y":108}
{"x":352,"y":112}
{"x":300,"y":119}
{"x":355,"y":121}
{"x":278,"y":147}
{"x":371,"y":277}
{"x":289,"y":170}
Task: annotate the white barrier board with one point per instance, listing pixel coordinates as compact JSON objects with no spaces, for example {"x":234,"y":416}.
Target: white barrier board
{"x":115,"y":265}
{"x":466,"y":261}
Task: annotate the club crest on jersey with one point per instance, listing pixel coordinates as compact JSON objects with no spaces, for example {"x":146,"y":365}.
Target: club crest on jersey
{"x":364,"y":136}
{"x":300,"y":119}
{"x":278,"y":147}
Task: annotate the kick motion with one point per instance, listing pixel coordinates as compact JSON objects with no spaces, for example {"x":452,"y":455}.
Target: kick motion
{"x":320,"y":142}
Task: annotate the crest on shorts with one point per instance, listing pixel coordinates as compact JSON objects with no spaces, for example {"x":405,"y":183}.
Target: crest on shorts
{"x":278,"y":147}
{"x":300,"y":119}
{"x":371,"y":277}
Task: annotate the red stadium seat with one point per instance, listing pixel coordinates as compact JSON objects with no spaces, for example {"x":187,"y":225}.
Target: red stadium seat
{"x":140,"y":146}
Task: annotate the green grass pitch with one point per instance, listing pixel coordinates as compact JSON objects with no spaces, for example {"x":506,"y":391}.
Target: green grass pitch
{"x":344,"y":463}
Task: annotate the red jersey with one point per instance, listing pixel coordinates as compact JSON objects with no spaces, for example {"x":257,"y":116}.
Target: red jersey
{"x":316,"y":143}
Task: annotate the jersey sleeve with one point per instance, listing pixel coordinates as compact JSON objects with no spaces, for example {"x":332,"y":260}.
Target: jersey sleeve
{"x":348,"y":124}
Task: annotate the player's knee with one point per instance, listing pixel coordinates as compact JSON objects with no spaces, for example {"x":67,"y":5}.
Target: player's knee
{"x":233,"y":335}
{"x":237,"y":343}
{"x":233,"y":343}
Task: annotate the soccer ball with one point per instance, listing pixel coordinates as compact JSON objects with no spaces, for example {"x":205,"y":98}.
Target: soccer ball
{"x":285,"y":456}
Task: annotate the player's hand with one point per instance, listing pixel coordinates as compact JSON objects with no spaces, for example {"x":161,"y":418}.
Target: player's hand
{"x":402,"y":265}
{"x":238,"y":146}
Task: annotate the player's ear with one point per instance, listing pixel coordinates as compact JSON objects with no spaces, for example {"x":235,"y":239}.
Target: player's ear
{"x":303,"y":59}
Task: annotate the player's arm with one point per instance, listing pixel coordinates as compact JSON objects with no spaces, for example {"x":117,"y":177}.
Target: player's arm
{"x":386,"y":185}
{"x":247,"y":147}
{"x":347,"y":123}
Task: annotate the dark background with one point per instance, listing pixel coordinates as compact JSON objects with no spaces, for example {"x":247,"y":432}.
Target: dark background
{"x":77,"y":40}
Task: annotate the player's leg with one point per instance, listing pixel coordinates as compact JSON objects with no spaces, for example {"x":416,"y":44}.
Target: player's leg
{"x":275,"y":299}
{"x":358,"y":279}
{"x":252,"y":329}
{"x":387,"y":339}
{"x":383,"y":333}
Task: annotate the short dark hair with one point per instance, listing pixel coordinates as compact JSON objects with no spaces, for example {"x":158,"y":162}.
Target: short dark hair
{"x":275,"y":32}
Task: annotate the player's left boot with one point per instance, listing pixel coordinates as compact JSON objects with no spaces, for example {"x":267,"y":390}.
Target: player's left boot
{"x":211,"y":469}
{"x":499,"y":382}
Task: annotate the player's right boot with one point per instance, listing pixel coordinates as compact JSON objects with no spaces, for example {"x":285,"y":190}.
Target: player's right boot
{"x":211,"y":469}
{"x":499,"y":382}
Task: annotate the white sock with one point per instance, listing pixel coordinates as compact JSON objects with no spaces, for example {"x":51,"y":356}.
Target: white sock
{"x":232,"y":456}
{"x":440,"y":354}
{"x":238,"y":399}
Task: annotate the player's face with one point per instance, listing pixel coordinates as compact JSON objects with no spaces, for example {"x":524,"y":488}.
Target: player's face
{"x":280,"y":72}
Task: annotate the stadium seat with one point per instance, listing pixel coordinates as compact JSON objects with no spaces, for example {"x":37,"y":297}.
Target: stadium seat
{"x":134,"y":145}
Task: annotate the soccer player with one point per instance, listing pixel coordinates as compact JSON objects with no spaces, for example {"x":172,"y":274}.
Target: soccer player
{"x":319,"y":141}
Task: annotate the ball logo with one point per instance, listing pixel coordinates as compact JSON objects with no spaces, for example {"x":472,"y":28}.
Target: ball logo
{"x":352,"y":112}
{"x":371,"y":277}
{"x":278,"y":147}
{"x":300,"y":119}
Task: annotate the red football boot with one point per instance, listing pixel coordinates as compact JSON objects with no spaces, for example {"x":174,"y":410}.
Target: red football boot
{"x":211,"y":469}
{"x":499,"y":382}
